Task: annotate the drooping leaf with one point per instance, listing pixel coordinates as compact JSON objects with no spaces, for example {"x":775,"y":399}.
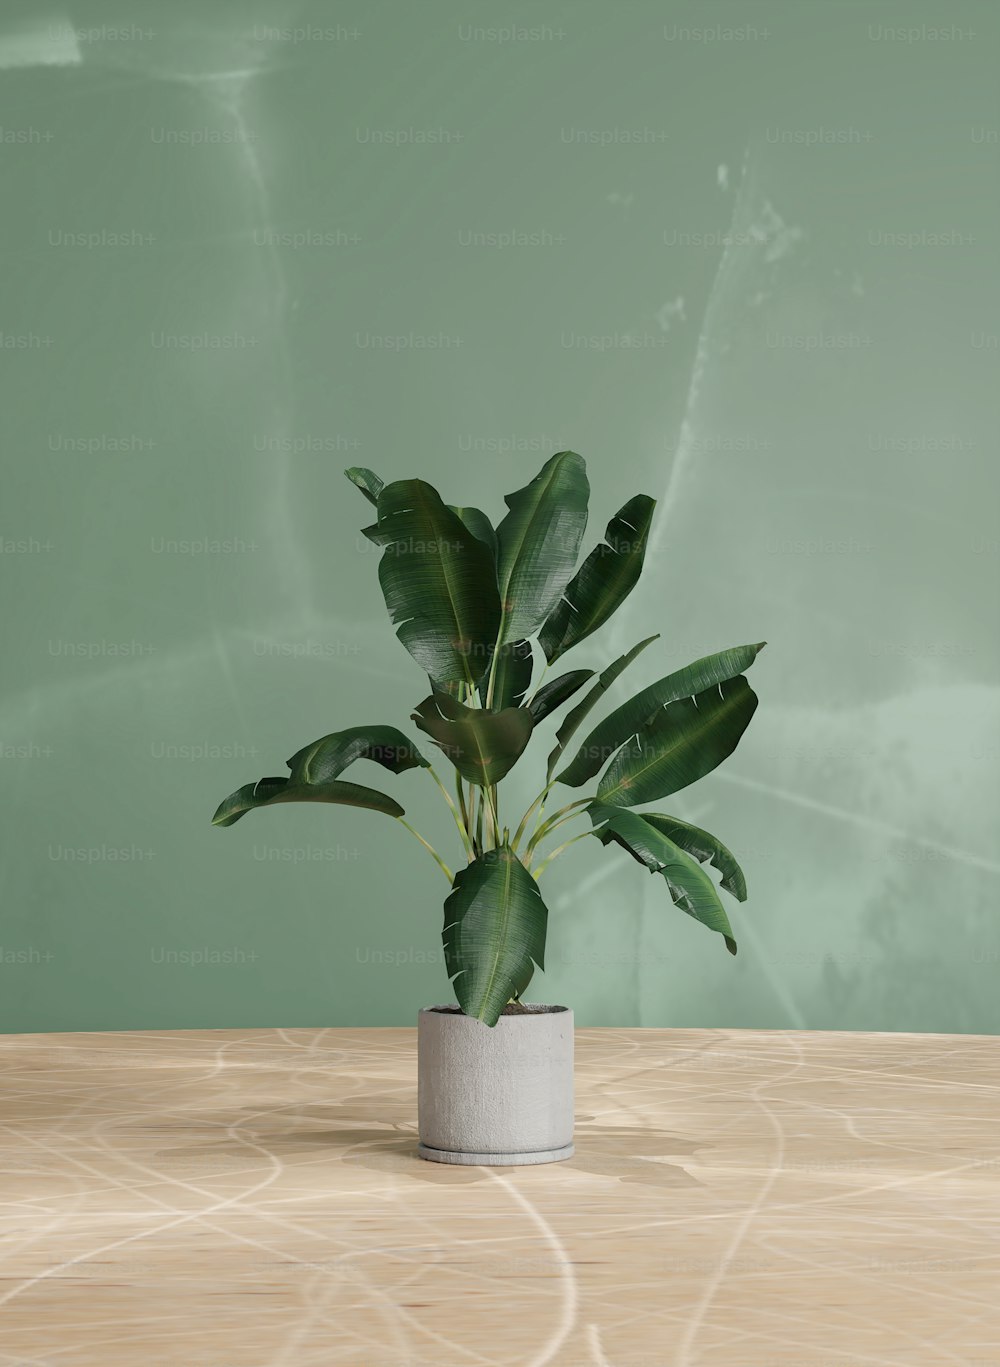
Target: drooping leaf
{"x":625,"y":721}
{"x":478,"y":524}
{"x":603,"y":582}
{"x":439,"y":583}
{"x":327,"y":758}
{"x":513,"y":676}
{"x":690,"y":886}
{"x":558,"y":691}
{"x":574,"y":719}
{"x":538,"y":543}
{"x":367,"y":481}
{"x":494,"y":933}
{"x":483,"y":746}
{"x":267,"y":791}
{"x":679,"y":744}
{"x":703,"y":846}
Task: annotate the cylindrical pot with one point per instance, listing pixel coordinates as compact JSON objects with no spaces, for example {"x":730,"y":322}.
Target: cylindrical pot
{"x":495,"y":1095}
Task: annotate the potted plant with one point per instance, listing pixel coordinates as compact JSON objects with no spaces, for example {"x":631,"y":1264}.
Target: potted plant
{"x":495,"y":1074}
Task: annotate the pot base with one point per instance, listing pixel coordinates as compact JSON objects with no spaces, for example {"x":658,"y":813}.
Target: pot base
{"x":494,"y":1160}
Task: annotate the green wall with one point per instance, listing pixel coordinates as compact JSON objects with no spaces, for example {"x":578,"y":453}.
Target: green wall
{"x":740,"y":256}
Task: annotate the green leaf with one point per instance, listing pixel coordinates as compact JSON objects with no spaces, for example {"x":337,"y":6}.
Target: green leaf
{"x":603,"y":582}
{"x":690,"y":886}
{"x":679,"y":744}
{"x":367,"y":481}
{"x":513,"y":676}
{"x":538,"y":543}
{"x":625,"y":721}
{"x":574,"y":720}
{"x":439,"y":583}
{"x":557,"y":692}
{"x":494,"y":933}
{"x":704,"y":846}
{"x":270,"y":790}
{"x":327,"y":758}
{"x":483,"y":746}
{"x":479,"y":525}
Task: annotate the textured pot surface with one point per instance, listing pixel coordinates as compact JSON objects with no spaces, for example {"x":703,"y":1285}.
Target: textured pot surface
{"x":495,"y":1095}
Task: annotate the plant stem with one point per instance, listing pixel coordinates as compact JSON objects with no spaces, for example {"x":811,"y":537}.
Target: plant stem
{"x":528,"y":701}
{"x":488,"y":705}
{"x":454,"y":811}
{"x":554,"y":820}
{"x":559,"y":849}
{"x":524,"y":819}
{"x":490,"y":796}
{"x":539,"y":836}
{"x":460,"y":790}
{"x":427,"y":846}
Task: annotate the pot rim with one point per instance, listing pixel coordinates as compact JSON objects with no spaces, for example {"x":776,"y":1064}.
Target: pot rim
{"x":531,"y":1010}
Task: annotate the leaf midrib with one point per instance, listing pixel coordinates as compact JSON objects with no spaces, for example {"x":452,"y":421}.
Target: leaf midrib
{"x":432,"y":513}
{"x":506,"y":922}
{"x":590,"y":700}
{"x":472,"y":725}
{"x":682,"y":739}
{"x":542,"y":492}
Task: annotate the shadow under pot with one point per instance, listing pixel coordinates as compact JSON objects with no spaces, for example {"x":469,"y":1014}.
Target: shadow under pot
{"x":495,"y":1096}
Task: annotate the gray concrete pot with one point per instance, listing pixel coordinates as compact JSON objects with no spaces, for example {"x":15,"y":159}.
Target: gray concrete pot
{"x":495,"y":1095}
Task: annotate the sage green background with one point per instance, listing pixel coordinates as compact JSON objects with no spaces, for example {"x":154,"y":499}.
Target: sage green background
{"x":753,"y":274}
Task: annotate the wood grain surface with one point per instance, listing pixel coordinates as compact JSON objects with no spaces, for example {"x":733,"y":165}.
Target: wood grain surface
{"x":249,"y":1198}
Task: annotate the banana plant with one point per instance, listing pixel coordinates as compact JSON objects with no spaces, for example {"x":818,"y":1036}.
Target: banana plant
{"x":479,"y":607}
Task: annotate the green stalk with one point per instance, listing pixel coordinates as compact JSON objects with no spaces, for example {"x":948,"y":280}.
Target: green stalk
{"x":473,"y":819}
{"x":460,"y":790}
{"x":493,"y":665}
{"x":427,"y":846}
{"x":524,"y":819}
{"x":490,"y":795}
{"x":556,"y":852}
{"x":556,"y":819}
{"x":454,"y":811}
{"x":528,"y":701}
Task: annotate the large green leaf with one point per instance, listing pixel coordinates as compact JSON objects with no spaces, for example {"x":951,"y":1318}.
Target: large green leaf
{"x":603,"y":582}
{"x":478,"y":524}
{"x":327,"y":758}
{"x":439,"y":583}
{"x":679,"y":744}
{"x":574,"y":719}
{"x":690,"y":886}
{"x":367,"y":481}
{"x":494,"y":933}
{"x":704,"y":846}
{"x":483,"y":746}
{"x":558,"y":691}
{"x":513,"y":676}
{"x":624,"y":722}
{"x":267,"y":791}
{"x":538,"y":542}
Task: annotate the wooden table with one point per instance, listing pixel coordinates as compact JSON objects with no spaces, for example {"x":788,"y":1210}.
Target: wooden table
{"x":737,"y":1199}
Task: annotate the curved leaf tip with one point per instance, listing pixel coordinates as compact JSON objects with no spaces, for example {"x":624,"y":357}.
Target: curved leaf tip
{"x":538,"y":542}
{"x":690,"y":887}
{"x":365,"y":480}
{"x":483,"y":746}
{"x":270,"y":790}
{"x":603,"y":582}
